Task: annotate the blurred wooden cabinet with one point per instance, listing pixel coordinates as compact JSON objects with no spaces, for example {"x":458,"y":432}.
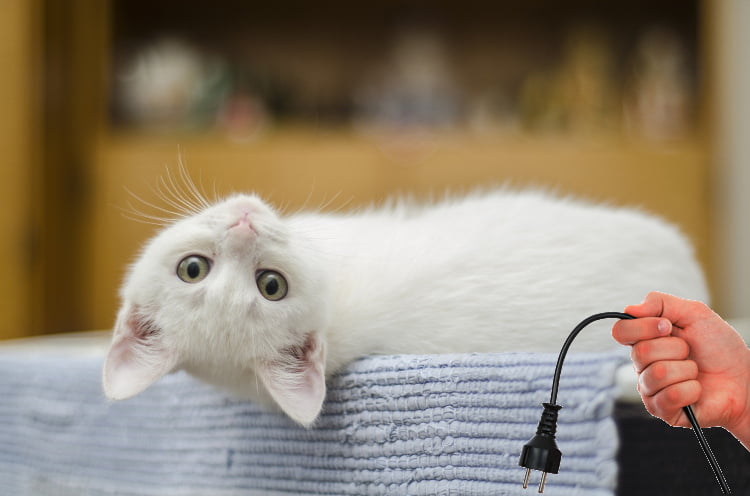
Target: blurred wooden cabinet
{"x":314,"y":105}
{"x":52,"y":94}
{"x":17,"y":50}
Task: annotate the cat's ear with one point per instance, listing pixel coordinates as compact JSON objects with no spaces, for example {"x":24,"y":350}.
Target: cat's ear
{"x":137,"y":357}
{"x":297,"y":382}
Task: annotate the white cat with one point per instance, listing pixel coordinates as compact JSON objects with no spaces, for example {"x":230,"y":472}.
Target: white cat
{"x":269,"y":305}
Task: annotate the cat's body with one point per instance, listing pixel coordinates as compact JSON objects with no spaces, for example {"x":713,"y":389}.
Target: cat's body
{"x":500,"y":271}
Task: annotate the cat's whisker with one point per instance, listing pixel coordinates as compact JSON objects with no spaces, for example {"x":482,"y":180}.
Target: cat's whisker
{"x":340,"y":208}
{"x":215,"y":197}
{"x":184,"y":187}
{"x":173,"y":195}
{"x":195,"y":193}
{"x":144,"y":220}
{"x":201,"y":194}
{"x":284,"y":207}
{"x":327,"y":203}
{"x":169,"y":217}
{"x":309,"y":196}
{"x":169,"y":197}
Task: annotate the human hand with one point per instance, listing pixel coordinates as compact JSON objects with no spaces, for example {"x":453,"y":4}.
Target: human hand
{"x":685,"y":354}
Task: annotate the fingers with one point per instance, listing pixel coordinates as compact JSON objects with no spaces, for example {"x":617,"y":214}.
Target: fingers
{"x":669,"y":348}
{"x":652,"y":306}
{"x":667,"y":404}
{"x":629,"y":332}
{"x":661,"y":375}
{"x":679,"y":311}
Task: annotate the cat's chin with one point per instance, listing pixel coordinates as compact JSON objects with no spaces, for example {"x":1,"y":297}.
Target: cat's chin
{"x":240,"y":384}
{"x":293,"y":379}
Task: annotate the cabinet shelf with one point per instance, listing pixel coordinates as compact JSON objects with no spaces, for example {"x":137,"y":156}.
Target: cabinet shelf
{"x":368,"y":165}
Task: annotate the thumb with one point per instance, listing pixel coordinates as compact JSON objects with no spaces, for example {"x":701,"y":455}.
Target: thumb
{"x":652,"y":306}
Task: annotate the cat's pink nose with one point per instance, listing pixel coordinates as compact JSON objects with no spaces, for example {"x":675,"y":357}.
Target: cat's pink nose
{"x":243,"y":224}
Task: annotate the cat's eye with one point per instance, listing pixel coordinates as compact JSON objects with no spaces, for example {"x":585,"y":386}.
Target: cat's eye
{"x":272,"y":285}
{"x":193,"y":268}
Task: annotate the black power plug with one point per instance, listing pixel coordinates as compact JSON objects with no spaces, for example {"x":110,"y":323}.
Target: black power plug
{"x":541,"y":452}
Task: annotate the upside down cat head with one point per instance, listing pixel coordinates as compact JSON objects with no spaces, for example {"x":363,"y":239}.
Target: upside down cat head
{"x":233,"y":297}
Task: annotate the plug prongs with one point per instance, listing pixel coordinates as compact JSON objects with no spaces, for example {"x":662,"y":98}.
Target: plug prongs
{"x":542,"y":482}
{"x":526,"y":478}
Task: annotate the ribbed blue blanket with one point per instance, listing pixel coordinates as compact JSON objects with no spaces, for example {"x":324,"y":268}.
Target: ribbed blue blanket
{"x":392,"y":425}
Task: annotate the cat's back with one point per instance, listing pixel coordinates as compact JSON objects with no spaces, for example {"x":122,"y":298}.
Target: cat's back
{"x":515,"y":236}
{"x":534,"y":259}
{"x":529,"y":221}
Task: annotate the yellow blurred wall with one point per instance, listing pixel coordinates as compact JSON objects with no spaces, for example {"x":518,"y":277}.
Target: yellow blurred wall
{"x":17,"y":53}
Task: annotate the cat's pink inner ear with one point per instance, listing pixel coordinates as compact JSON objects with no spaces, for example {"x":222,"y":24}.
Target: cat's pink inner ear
{"x":136,"y":357}
{"x":297,"y":382}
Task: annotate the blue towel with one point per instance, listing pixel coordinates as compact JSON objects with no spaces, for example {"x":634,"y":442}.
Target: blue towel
{"x":391,"y":425}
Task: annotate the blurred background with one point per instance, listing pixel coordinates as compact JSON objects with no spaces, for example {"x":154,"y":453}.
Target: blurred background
{"x":336,"y":104}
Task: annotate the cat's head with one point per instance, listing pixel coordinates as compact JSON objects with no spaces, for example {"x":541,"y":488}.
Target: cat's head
{"x":232,"y":296}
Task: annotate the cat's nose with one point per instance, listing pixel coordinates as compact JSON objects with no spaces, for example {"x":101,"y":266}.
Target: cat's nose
{"x":244,"y":224}
{"x":241,"y":235}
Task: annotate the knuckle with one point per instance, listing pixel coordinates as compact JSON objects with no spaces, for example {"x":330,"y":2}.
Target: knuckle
{"x":639,"y":352}
{"x":673,"y":396}
{"x":658,"y":371}
{"x":699,"y":306}
{"x":652,"y":407}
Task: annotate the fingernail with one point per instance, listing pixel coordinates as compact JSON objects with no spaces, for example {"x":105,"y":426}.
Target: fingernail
{"x":664,"y":327}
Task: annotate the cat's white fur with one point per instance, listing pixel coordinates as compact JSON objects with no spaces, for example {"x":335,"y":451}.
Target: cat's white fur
{"x":496,"y":271}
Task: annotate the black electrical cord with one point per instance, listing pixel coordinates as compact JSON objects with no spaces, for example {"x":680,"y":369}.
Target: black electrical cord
{"x":707,"y":451}
{"x":541,"y":452}
{"x":573,"y":334}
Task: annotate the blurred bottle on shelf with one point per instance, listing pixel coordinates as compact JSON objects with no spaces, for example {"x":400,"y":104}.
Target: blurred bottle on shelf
{"x":169,"y":84}
{"x":414,"y":88}
{"x":577,"y":84}
{"x":409,"y":98}
{"x":659,"y":98}
{"x":579,"y":96}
